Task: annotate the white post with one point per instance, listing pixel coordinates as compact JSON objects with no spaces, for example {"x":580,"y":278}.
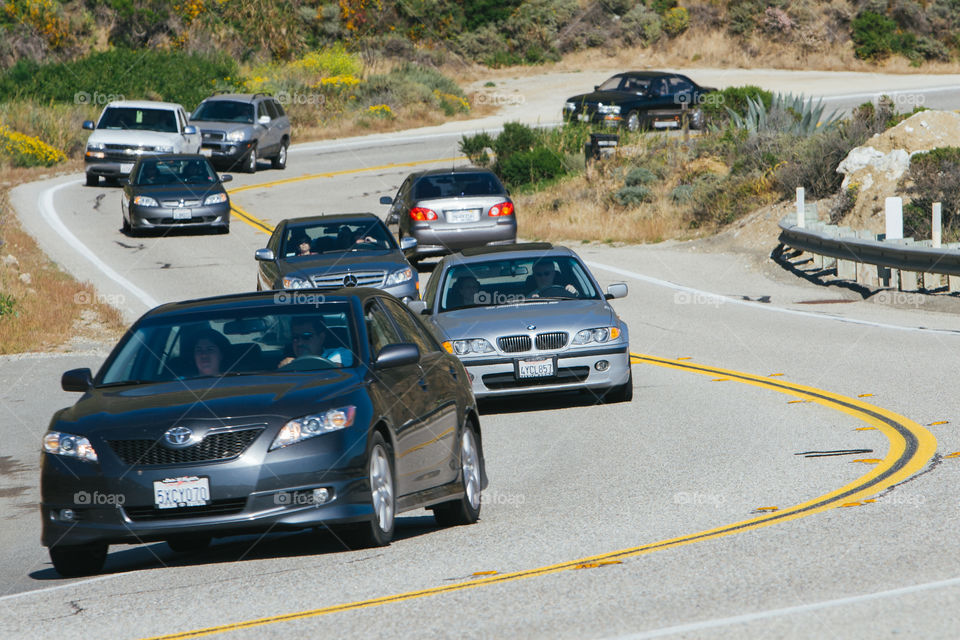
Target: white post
{"x":801,"y":213}
{"x":894,"y":210}
{"x":936,"y":227}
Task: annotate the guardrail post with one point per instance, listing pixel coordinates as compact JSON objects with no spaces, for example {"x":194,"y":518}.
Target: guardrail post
{"x":936,"y":235}
{"x":801,"y":209}
{"x":846,"y":269}
{"x":893,"y":208}
{"x":953,"y":283}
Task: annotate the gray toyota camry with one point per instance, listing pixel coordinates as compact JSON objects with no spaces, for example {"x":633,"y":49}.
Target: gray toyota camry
{"x":529,"y":318}
{"x":260,"y":412}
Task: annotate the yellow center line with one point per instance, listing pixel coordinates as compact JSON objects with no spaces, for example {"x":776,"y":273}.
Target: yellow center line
{"x":911,"y":447}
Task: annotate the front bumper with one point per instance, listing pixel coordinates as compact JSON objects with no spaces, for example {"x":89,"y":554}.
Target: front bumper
{"x":217,"y":215}
{"x":432,"y":241}
{"x":574,"y":370}
{"x":107,"y":169}
{"x":226,"y":154}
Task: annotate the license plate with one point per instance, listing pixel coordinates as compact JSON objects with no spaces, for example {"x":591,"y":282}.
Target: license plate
{"x":666,"y":124}
{"x":182,"y":214}
{"x":583,"y":117}
{"x":206,"y":152}
{"x":186,"y":491}
{"x":126,"y":167}
{"x":470,"y":215}
{"x":542,"y":368}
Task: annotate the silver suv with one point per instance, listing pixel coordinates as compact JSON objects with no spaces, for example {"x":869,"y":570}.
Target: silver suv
{"x":240,"y":128}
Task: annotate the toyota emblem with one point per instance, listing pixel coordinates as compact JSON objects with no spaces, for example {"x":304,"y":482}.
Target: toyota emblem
{"x":349,"y":280}
{"x":178,"y":436}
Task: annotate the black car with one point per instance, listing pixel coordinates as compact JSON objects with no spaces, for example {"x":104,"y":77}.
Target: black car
{"x":175,"y":191}
{"x":260,"y":412}
{"x":640,"y":100}
{"x":329,"y":252}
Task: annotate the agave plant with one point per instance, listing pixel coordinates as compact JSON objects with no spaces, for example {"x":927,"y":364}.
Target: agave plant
{"x":787,"y":114}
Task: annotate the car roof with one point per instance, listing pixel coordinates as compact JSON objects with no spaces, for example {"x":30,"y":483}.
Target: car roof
{"x":175,"y":156}
{"x":452,"y":170}
{"x":507,"y":252}
{"x":246,"y":97}
{"x":333,"y":217}
{"x":646,"y":74}
{"x":144,"y":104}
{"x":258,"y":299}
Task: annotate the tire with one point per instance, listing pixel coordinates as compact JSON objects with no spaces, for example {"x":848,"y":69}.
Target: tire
{"x":696,"y":119}
{"x":186,"y":544}
{"x":250,"y":162}
{"x":93,"y":180}
{"x":378,"y":532}
{"x":280,"y":161}
{"x":126,"y":228}
{"x":71,"y":561}
{"x":622,"y":393}
{"x":466,"y":510}
{"x":632,"y":123}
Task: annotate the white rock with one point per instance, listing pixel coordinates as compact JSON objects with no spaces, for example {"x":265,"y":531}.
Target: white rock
{"x":10,"y":261}
{"x":25,"y":278}
{"x":908,"y":129}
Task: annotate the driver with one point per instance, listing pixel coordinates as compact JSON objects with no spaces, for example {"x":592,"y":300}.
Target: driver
{"x":545,"y":282}
{"x":310,"y":337}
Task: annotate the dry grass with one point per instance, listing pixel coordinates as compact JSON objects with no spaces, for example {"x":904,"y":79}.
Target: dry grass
{"x":43,"y":308}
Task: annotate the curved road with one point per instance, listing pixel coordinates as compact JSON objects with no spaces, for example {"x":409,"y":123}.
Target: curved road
{"x":784,"y":470}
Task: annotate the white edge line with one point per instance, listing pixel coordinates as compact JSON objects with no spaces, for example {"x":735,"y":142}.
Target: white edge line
{"x":803,"y":608}
{"x":76,"y":583}
{"x":721,"y":299}
{"x":49,"y":213}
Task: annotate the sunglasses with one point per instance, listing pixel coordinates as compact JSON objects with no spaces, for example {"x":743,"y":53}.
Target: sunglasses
{"x":306,"y":335}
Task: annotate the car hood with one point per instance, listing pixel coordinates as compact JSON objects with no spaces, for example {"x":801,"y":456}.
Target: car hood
{"x":343,"y":262}
{"x":173,"y":192}
{"x":607,"y":97}
{"x":142,"y":409}
{"x":564,"y":315}
{"x":132,"y":136}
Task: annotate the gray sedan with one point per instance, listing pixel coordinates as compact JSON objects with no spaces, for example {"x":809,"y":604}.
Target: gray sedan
{"x":446,"y":210}
{"x":529,"y":318}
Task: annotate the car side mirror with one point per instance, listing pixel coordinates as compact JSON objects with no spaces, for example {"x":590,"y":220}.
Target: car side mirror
{"x":263,"y":120}
{"x":386,"y":200}
{"x":226,"y":177}
{"x":392,"y":219}
{"x":88,"y":124}
{"x":264,"y":255}
{"x":189,"y":130}
{"x":616,"y":290}
{"x":408,"y":243}
{"x":397,"y":355}
{"x":596,"y":87}
{"x":417,"y":306}
{"x":77,"y":380}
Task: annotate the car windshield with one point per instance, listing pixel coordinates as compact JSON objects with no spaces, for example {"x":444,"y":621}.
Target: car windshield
{"x":164,"y":120}
{"x":454,"y":185}
{"x":515,"y":281}
{"x":224,"y":111}
{"x":280,"y":338}
{"x":171,"y":172}
{"x":330,"y":237}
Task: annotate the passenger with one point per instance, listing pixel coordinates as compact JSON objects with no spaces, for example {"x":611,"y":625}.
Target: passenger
{"x":209,"y":349}
{"x":464,"y":293}
{"x":299,"y":243}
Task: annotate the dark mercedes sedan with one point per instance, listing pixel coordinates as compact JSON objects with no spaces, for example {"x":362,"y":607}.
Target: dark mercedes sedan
{"x":175,"y":191}
{"x":329,"y":252}
{"x":260,"y":412}
{"x":640,"y":100}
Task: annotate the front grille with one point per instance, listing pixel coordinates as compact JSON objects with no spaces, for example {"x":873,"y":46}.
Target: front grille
{"x":215,"y":508}
{"x":514,"y":344}
{"x":337,"y":280}
{"x":124,"y":147}
{"x":212,"y":135}
{"x":565,"y":375}
{"x":175,"y":204}
{"x":222,"y":445}
{"x":193,"y":220}
{"x":555,"y":340}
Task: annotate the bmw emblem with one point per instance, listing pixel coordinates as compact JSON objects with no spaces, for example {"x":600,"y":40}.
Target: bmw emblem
{"x":178,"y":436}
{"x":531,"y":327}
{"x":349,"y":280}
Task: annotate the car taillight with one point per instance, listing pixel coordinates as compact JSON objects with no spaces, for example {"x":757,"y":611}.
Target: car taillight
{"x":421,"y":213}
{"x":502,"y":209}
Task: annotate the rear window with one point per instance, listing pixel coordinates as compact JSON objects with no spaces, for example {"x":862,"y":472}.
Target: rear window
{"x":457,"y":184}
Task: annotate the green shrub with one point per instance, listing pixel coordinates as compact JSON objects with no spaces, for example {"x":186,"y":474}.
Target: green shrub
{"x":663,"y":6}
{"x":876,"y":36}
{"x":639,"y":176}
{"x":633,"y":196}
{"x":676,"y":21}
{"x":530,"y":167}
{"x":682,"y":194}
{"x":736,"y":98}
{"x":502,"y":58}
{"x":8,"y":305}
{"x":475,"y":148}
{"x":515,"y":138}
{"x":641,"y":26}
{"x":935,"y":177}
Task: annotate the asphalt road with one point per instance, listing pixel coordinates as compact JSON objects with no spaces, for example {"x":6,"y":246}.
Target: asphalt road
{"x":783,"y":470}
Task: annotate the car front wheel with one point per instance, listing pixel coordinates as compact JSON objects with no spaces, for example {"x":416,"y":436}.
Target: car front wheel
{"x":93,"y":180}
{"x":280,"y":161}
{"x":250,"y":166}
{"x":378,"y":531}
{"x":633,"y":121}
{"x":78,"y":560}
{"x":466,"y":510}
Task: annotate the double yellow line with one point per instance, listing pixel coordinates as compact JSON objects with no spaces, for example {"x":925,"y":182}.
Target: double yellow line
{"x":911,"y":447}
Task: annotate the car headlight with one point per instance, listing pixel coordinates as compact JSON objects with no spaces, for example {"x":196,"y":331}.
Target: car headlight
{"x":64,"y":444}
{"x":145,"y":201}
{"x":216,"y":198}
{"x":399,"y":277}
{"x":96,"y":146}
{"x":296,"y":282}
{"x":237,"y":136}
{"x":468,"y":346}
{"x":313,"y":425}
{"x":600,"y":334}
{"x":569,"y":106}
{"x":609,"y":108}
{"x":163,"y":148}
